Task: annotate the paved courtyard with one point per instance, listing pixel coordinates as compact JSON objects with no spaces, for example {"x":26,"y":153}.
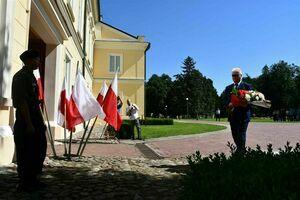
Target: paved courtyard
{"x":128,"y":170}
{"x":258,"y":133}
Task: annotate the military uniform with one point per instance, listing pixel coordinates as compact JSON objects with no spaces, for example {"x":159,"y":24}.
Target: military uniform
{"x":31,"y":148}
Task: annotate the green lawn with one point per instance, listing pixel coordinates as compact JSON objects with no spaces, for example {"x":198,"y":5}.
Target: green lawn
{"x":156,"y":131}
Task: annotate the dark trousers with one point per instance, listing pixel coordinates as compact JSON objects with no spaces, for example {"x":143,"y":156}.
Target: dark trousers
{"x":238,"y":130}
{"x":31,"y":153}
{"x":136,"y":123}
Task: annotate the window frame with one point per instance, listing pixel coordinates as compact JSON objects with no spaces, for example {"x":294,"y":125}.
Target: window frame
{"x":121,"y":63}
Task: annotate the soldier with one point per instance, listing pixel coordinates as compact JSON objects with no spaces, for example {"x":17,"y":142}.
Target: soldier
{"x":29,"y":127}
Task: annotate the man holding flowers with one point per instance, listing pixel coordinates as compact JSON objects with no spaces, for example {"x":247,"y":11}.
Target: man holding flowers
{"x":238,"y":109}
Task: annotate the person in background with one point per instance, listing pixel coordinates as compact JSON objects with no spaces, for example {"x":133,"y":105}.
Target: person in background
{"x":218,"y":114}
{"x":132,"y":111}
{"x":239,"y":117}
{"x":119,"y":104}
{"x":29,"y":128}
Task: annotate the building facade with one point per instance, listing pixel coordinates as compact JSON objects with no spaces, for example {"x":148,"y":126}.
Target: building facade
{"x":63,"y":31}
{"x":116,"y":50}
{"x":69,"y":35}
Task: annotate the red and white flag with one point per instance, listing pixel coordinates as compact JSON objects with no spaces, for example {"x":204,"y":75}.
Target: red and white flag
{"x":102,"y":93}
{"x":39,"y":83}
{"x":83,"y":105}
{"x":113,"y":117}
{"x":63,"y":105}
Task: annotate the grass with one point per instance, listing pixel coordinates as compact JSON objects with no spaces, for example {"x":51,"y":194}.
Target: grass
{"x":156,"y":131}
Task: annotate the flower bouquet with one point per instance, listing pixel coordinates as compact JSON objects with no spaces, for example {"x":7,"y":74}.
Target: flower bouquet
{"x":244,"y":97}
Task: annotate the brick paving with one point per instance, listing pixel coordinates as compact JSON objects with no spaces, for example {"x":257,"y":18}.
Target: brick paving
{"x":179,"y":146}
{"x":258,"y":133}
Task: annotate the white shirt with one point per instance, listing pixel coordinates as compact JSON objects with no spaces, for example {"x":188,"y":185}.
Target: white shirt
{"x":132,"y":111}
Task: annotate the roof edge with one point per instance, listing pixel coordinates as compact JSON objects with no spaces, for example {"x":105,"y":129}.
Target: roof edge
{"x":110,"y":26}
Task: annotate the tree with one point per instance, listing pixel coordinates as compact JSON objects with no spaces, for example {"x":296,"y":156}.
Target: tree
{"x":199,"y":90}
{"x":157,"y":89}
{"x":280,"y":84}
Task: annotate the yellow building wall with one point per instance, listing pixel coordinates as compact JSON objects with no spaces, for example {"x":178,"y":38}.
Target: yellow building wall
{"x":133,"y":91}
{"x":20,"y":35}
{"x":4,"y":115}
{"x":133,"y":63}
{"x":130,"y":80}
{"x":108,"y":34}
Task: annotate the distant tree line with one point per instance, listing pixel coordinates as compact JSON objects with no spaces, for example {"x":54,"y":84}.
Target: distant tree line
{"x":191,"y":93}
{"x":280,"y":83}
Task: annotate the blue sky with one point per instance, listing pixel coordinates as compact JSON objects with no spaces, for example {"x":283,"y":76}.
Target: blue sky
{"x":217,"y":34}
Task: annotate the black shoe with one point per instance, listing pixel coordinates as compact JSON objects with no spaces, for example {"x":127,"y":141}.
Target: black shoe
{"x":40,"y":185}
{"x":25,"y":187}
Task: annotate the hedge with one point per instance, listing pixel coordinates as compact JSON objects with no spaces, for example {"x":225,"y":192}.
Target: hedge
{"x":253,"y":175}
{"x":152,"y":121}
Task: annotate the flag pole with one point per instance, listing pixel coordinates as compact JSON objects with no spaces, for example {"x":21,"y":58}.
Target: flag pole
{"x":83,"y":136}
{"x":71,"y":132}
{"x":91,"y":129}
{"x":103,"y":130}
{"x":65,"y":120}
{"x":49,"y":132}
{"x":70,"y":143}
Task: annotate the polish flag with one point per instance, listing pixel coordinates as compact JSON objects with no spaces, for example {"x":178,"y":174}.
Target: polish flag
{"x":113,"y":118}
{"x":102,"y":93}
{"x":63,"y":105}
{"x":36,"y":73}
{"x":83,"y":105}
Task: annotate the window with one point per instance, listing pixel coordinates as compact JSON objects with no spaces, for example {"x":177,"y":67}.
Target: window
{"x":115,"y":63}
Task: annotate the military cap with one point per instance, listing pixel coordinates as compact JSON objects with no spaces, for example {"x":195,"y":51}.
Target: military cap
{"x":29,"y":54}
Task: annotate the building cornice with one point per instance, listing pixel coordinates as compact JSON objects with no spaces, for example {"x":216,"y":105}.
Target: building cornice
{"x":120,"y":79}
{"x":118,"y":44}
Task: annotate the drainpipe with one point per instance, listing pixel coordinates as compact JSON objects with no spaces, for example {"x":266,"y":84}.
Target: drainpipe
{"x":148,"y":47}
{"x":84,"y":40}
{"x":84,"y":45}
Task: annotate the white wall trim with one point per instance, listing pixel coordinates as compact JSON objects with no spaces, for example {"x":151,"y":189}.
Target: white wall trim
{"x":46,"y":19}
{"x":6,"y":44}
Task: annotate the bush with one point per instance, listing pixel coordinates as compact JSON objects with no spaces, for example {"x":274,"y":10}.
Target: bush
{"x":152,"y":121}
{"x":157,"y":121}
{"x":253,"y":175}
{"x":125,"y":131}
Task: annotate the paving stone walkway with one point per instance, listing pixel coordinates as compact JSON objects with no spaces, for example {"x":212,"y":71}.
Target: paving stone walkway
{"x":102,"y":178}
{"x":261,"y":134}
{"x":151,"y":169}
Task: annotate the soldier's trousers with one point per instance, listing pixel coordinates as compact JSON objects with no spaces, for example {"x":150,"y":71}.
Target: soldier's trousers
{"x":31,"y":153}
